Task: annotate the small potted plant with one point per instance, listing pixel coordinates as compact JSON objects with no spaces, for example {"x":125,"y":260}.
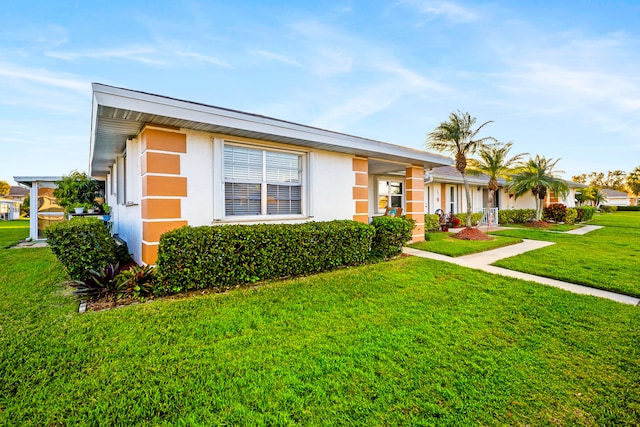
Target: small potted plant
{"x":78,"y":208}
{"x":106,"y":212}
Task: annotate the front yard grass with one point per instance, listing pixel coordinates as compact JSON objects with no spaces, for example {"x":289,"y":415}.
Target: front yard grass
{"x":617,"y":219}
{"x":443,"y":243}
{"x":606,"y":258}
{"x":553,"y":227}
{"x":407,"y":342}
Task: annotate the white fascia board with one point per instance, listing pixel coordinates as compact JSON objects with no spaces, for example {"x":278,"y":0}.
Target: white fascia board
{"x":28,"y":180}
{"x":159,"y":105}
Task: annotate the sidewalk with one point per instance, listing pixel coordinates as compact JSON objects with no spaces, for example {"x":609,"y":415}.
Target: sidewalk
{"x":483,"y":260}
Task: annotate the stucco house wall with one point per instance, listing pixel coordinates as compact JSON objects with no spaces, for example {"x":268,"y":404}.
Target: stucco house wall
{"x":169,"y":163}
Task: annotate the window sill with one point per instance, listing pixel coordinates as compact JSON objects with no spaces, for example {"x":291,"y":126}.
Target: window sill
{"x":261,"y":219}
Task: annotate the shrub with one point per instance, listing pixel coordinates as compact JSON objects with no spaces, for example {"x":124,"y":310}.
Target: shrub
{"x":391,"y":235}
{"x":585,"y":213}
{"x":607,"y":209}
{"x":628,"y":208}
{"x":101,"y":283}
{"x":76,"y":189}
{"x":556,"y":212}
{"x":516,"y":216}
{"x":138,"y":281}
{"x":81,"y":244}
{"x":431,"y":222}
{"x":572,"y":215}
{"x":228,"y":255}
{"x":454,"y":220}
{"x":476,"y":217}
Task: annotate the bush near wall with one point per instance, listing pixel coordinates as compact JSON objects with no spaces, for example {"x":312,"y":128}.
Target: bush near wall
{"x":476,"y":217}
{"x":228,"y":255}
{"x":572,"y":216}
{"x":607,"y":209}
{"x":515,"y":216}
{"x":628,"y":208}
{"x":556,"y":212}
{"x":585,"y":213}
{"x":391,"y":235}
{"x":431,"y":222}
{"x":81,"y":244}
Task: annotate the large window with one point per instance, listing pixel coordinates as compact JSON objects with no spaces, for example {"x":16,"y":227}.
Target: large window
{"x":390,"y":194}
{"x":261,"y":182}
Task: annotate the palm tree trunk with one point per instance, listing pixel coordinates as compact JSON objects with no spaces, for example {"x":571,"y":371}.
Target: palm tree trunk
{"x":490,"y":198}
{"x":468,"y":193}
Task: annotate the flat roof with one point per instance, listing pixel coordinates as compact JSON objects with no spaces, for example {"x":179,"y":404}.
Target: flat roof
{"x":119,"y":114}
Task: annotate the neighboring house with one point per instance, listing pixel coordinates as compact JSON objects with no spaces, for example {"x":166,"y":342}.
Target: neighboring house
{"x":169,"y":163}
{"x":44,"y":206}
{"x":10,"y":203}
{"x":444,"y":189}
{"x":616,"y":198}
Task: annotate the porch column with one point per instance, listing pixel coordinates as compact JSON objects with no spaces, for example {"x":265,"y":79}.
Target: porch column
{"x":162,"y":187}
{"x":361,"y":189}
{"x":415,"y":200}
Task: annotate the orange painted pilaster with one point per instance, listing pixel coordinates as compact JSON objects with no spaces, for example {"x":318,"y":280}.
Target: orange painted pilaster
{"x":414,"y":203}
{"x":162,"y":187}
{"x":361,"y":189}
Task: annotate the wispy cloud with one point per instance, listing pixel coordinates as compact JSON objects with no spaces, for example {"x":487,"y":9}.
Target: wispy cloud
{"x":275,"y":57}
{"x":45,"y":77}
{"x":140,"y":54}
{"x":199,"y":57}
{"x":448,"y":10}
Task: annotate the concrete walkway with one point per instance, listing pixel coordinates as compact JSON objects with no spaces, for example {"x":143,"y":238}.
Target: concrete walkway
{"x":483,"y":260}
{"x":583,"y":230}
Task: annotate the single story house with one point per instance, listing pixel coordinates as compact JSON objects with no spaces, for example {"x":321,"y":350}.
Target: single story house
{"x":44,"y":206}
{"x":616,"y":198}
{"x":444,"y":189}
{"x":167,"y":163}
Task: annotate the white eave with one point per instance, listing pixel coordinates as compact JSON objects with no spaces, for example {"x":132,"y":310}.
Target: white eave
{"x":27,"y":181}
{"x":119,"y":114}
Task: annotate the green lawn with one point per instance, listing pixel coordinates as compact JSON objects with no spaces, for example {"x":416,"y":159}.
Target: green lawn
{"x":554,"y":227}
{"x":443,"y":243}
{"x":13,"y":231}
{"x":617,"y":219}
{"x":408,"y":342}
{"x":605,"y":258}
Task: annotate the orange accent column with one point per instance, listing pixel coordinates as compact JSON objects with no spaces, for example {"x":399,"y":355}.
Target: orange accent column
{"x":414,"y":183}
{"x":361,"y":189}
{"x":162,"y":187}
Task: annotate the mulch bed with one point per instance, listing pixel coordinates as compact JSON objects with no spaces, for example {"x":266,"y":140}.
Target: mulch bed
{"x":538,"y":224}
{"x":471,"y":234}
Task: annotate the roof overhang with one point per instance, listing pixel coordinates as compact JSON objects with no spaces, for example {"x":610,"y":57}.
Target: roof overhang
{"x":119,"y":114}
{"x":27,"y":181}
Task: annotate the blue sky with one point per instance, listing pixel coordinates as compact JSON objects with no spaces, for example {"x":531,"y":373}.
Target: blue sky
{"x":559,"y":79}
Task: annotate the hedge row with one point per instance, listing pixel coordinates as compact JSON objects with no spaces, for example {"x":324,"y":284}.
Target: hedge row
{"x":628,"y":208}
{"x":476,"y":217}
{"x":228,"y":255}
{"x":81,"y":244}
{"x":431,"y":222}
{"x":516,"y":216}
{"x":391,"y":235}
{"x":585,"y":213}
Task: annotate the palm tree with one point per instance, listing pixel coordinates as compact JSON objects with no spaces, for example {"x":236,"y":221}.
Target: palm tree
{"x":458,"y":137}
{"x":538,"y":177}
{"x":495,"y":163}
{"x":598,"y":197}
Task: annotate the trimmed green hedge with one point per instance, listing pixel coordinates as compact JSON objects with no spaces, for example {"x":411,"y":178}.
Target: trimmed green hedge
{"x":572,"y":215}
{"x":476,"y":217}
{"x":585,"y":213}
{"x":431,"y":222}
{"x":607,"y":209}
{"x":515,"y":216}
{"x":228,"y":255}
{"x":391,"y":235}
{"x":81,"y":244}
{"x":628,"y":208}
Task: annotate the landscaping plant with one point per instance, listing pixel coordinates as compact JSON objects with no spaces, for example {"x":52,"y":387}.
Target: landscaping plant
{"x":76,"y":190}
{"x":81,"y":244}
{"x":391,"y":235}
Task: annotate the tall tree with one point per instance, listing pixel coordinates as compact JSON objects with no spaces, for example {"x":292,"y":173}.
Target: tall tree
{"x":633,"y":181}
{"x":538,"y":177}
{"x":494,"y":161}
{"x":613,"y":179}
{"x":459,"y":137}
{"x":5,"y":188}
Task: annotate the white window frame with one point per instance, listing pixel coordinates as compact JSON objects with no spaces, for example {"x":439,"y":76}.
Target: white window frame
{"x":389,"y":180}
{"x":219,"y":182}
